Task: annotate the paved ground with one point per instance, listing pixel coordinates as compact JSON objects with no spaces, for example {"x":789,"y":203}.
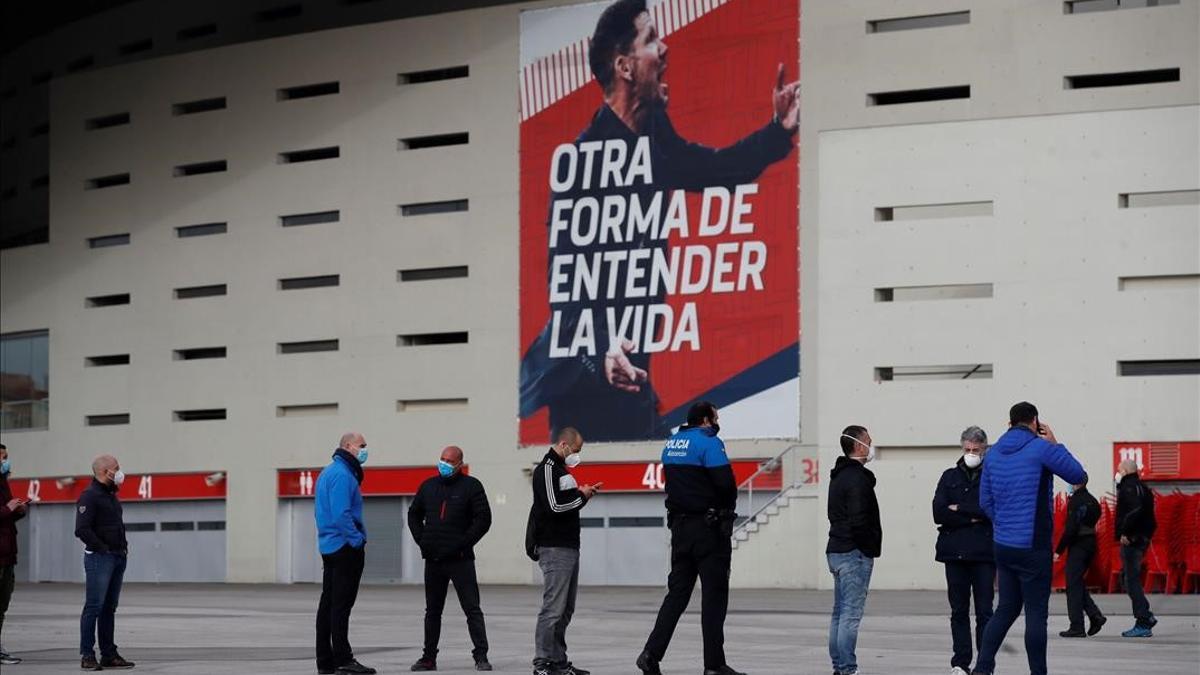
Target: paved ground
{"x":219,"y":629}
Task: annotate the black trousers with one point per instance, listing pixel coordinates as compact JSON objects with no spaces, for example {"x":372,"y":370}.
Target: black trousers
{"x":438,"y":576}
{"x":339,"y":589}
{"x":1079,"y":601}
{"x":698,"y":550}
{"x":1132,"y":557}
{"x":964,"y":581}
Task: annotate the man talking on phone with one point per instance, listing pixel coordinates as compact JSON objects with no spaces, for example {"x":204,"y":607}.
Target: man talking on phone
{"x":701,"y":496}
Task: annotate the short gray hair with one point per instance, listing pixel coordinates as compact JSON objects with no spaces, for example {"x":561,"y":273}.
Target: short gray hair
{"x":974,"y":434}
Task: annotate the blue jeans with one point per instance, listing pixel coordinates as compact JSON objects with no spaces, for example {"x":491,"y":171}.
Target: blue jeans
{"x":1024,"y":580}
{"x":104,"y":571}
{"x":851,"y":577}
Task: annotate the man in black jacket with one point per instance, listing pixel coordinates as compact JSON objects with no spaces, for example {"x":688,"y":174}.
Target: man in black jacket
{"x":855,"y":540}
{"x":1135,"y":526}
{"x":12,"y":509}
{"x":448,"y":516}
{"x":964,"y":546}
{"x":99,"y":524}
{"x":554,"y":536}
{"x":1079,"y":538}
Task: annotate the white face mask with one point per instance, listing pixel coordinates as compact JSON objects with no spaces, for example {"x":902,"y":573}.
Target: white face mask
{"x":972,"y":460}
{"x":118,"y":477}
{"x":870,"y":449}
{"x":573,"y":460}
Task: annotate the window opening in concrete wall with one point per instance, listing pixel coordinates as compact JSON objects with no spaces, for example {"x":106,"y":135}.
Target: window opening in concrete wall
{"x":307,"y":346}
{"x":941,"y":292}
{"x":434,"y":75}
{"x":918,"y":22}
{"x":306,"y":410}
{"x":198,"y":106}
{"x":431,"y":208}
{"x":320,"y":281}
{"x":25,"y":396}
{"x":198,"y":168}
{"x":1085,"y":6}
{"x":310,"y":155}
{"x":136,"y":47}
{"x":201,"y":230}
{"x":1124,"y":79}
{"x":108,"y":300}
{"x":106,"y":121}
{"x":434,"y":141}
{"x":1136,"y":200}
{"x":108,"y":360}
{"x":199,"y":415}
{"x":425,"y":339}
{"x":919,"y":95}
{"x":1159,"y":282}
{"x":196,"y":353}
{"x":433,"y":273}
{"x":1158,"y":367}
{"x":208,"y":291}
{"x":279,"y":13}
{"x":928,"y":211}
{"x":430,"y":404}
{"x":108,"y":240}
{"x":308,"y":91}
{"x":315,"y":218}
{"x":107,"y":420}
{"x":972,"y":371}
{"x":102,"y":182}
{"x":194,"y":32}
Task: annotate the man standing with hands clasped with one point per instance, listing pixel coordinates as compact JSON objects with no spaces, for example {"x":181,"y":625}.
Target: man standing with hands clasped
{"x":100,"y":525}
{"x":1079,"y":537}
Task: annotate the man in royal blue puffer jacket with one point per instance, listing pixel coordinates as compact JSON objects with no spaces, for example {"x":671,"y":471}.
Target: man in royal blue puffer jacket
{"x":1016,"y":492}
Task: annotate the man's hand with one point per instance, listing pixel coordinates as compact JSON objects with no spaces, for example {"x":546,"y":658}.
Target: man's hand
{"x":1125,"y":541}
{"x":589,"y":491}
{"x":953,"y":507}
{"x":1046,"y":432}
{"x":620,"y":372}
{"x":786,"y":99}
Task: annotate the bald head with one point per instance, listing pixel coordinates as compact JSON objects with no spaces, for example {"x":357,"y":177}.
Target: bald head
{"x":352,"y":441}
{"x":568,"y":441}
{"x":104,"y":466}
{"x":1127,"y":467}
{"x":452,"y":454}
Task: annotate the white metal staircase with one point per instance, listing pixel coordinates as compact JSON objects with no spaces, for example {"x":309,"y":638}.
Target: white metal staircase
{"x":766,"y":493}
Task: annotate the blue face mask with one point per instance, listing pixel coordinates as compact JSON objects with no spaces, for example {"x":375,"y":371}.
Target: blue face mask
{"x":1070,"y":490}
{"x":5,"y":467}
{"x":362,"y":455}
{"x":445,"y":469}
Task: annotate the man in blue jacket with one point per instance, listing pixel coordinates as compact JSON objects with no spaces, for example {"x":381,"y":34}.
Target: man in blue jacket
{"x":342,"y":540}
{"x":1016,"y":491}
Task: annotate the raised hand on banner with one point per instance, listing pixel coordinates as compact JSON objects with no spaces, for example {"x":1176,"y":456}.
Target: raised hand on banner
{"x":620,"y":372}
{"x":786,"y":98}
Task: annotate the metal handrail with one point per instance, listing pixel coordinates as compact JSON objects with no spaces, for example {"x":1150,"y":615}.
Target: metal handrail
{"x":766,"y":467}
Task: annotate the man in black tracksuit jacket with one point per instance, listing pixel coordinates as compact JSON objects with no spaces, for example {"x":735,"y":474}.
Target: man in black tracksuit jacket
{"x":1079,"y":538}
{"x":1135,"y":526}
{"x":448,"y":516}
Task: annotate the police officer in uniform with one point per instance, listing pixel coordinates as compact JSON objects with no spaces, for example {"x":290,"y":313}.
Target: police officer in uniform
{"x":701,"y":495}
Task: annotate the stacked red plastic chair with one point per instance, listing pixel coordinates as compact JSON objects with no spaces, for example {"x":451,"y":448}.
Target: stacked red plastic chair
{"x":1190,"y":529}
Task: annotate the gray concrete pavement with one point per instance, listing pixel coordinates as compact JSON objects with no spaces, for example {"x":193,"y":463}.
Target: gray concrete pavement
{"x":225,"y":629}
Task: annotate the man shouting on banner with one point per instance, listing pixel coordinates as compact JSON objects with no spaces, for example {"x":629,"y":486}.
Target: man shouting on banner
{"x":590,"y":364}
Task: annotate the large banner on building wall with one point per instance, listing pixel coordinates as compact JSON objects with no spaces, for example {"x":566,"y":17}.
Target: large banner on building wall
{"x":659,"y":217}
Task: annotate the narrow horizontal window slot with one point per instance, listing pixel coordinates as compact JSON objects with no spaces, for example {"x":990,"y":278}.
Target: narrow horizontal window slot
{"x":433,"y":273}
{"x":636,"y":521}
{"x":136,"y":47}
{"x":108,"y":300}
{"x":314,"y":218}
{"x":969,"y":371}
{"x":208,"y":291}
{"x":201,"y":230}
{"x":299,"y":283}
{"x":140,"y":527}
{"x":1159,"y":282}
{"x":101,"y":182}
{"x":929,"y":211}
{"x":431,"y":404}
{"x":199,"y":415}
{"x":308,"y":91}
{"x":919,"y":95}
{"x":39,"y":182}
{"x":943,"y":292}
{"x":425,"y":339}
{"x":434,"y":75}
{"x":41,"y":78}
{"x":435,"y":141}
{"x":306,"y":410}
{"x":211,"y":526}
{"x":197,"y":353}
{"x":1137,"y":200}
{"x":312,"y":155}
{"x":1125,"y":79}
{"x":198,"y":168}
{"x":431,"y":208}
{"x":39,"y":130}
{"x":177,"y":526}
{"x":1159,"y":367}
{"x":918,"y":22}
{"x":591,"y":522}
{"x":1086,"y":6}
{"x":198,"y":106}
{"x":81,"y":63}
{"x":108,"y":360}
{"x":106,"y":121}
{"x":194,"y":32}
{"x":279,"y":13}
{"x":308,"y":346}
{"x":107,"y":420}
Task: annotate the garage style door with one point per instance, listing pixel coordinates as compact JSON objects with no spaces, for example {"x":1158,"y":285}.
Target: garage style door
{"x":392,"y":556}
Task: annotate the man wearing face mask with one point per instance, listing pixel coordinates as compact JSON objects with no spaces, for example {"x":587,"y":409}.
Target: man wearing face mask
{"x":99,"y":524}
{"x":448,"y":516}
{"x":1016,"y":491}
{"x":342,"y":541}
{"x":701,"y":497}
{"x":11,"y":510}
{"x":964,"y":546}
{"x":855,"y":541}
{"x":1134,"y":527}
{"x":1079,"y":538}
{"x":553,"y":540}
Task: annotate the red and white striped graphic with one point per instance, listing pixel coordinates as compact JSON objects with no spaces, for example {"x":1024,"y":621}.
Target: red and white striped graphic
{"x":551,"y":78}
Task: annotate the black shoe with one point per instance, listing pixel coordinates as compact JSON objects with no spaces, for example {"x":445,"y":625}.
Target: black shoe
{"x":723,"y":670}
{"x":542,"y":668}
{"x":88,"y":663}
{"x":1152,"y":622}
{"x":1094,"y":625}
{"x":1073,"y":632}
{"x":570,"y":669}
{"x":115,"y":662}
{"x":353,"y":667}
{"x":424,"y":664}
{"x":326,"y":671}
{"x":482,"y":664}
{"x":648,"y":664}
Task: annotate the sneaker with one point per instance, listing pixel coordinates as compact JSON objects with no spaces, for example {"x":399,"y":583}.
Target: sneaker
{"x":723,"y":670}
{"x":353,"y":667}
{"x":424,"y":664}
{"x":482,"y":664}
{"x":1073,"y":633}
{"x":1094,"y":625}
{"x":88,"y":663}
{"x":958,"y":671}
{"x":7,"y":659}
{"x":570,"y":669}
{"x":1152,"y":622}
{"x":544,"y":668}
{"x":1138,"y":632}
{"x":115,"y":662}
{"x":647,"y":664}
